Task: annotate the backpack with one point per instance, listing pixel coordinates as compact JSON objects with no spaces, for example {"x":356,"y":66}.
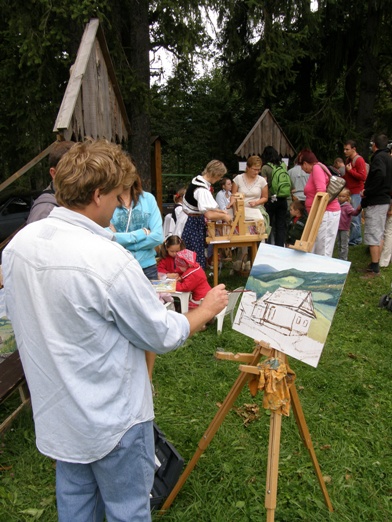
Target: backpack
{"x":280,"y":181}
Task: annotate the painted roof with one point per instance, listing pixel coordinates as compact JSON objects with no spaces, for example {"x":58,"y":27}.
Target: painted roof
{"x":299,"y":300}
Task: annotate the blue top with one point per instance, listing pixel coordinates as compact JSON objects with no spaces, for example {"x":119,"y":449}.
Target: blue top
{"x":129,"y":224}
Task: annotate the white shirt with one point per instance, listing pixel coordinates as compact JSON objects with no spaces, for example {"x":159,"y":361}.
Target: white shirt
{"x":223,"y":200}
{"x":251,"y":191}
{"x":83,"y":314}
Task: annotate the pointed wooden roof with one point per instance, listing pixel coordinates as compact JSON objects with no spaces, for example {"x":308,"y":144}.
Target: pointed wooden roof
{"x":266,"y":131}
{"x":92,"y":104}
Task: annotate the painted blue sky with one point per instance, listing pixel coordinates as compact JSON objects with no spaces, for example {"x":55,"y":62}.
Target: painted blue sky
{"x":284,"y":258}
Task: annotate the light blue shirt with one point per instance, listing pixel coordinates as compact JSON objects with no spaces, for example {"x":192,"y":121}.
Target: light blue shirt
{"x":299,"y":178}
{"x":83,"y":314}
{"x":130,"y":234}
{"x":222,"y":200}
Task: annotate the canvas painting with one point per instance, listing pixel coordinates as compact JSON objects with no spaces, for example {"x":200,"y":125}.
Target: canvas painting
{"x":290,"y":299}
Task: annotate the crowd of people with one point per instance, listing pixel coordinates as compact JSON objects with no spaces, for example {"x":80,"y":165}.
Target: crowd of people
{"x":89,"y":359}
{"x":366,"y":197}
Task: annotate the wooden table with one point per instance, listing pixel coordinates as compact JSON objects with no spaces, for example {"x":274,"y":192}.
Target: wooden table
{"x":253,"y":244}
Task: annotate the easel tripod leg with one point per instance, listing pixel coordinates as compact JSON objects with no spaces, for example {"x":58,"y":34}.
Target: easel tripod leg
{"x":226,"y":406}
{"x":271,"y":488}
{"x":305,"y":435}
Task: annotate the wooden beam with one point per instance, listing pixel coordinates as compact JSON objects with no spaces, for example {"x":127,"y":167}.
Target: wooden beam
{"x":27,"y":167}
{"x":78,"y":71}
{"x":157,"y":174}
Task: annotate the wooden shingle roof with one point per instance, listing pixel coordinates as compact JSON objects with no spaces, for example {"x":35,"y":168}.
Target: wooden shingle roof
{"x":266,"y":131}
{"x":92,"y":104}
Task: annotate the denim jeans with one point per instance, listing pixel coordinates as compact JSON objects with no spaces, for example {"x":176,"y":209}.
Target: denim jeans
{"x":356,"y":232}
{"x":118,"y":484}
{"x":151,"y":272}
{"x":343,"y":237}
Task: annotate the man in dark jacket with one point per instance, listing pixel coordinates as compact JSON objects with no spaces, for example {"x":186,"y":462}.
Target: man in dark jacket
{"x":376,"y":198}
{"x":46,"y":201}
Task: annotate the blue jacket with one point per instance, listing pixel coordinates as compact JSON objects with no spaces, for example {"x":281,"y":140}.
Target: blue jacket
{"x":131,"y":235}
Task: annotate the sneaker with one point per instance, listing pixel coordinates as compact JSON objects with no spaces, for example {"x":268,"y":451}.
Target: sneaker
{"x":372,"y":268}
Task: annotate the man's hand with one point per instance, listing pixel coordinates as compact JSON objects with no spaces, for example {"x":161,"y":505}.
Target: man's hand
{"x":216,"y":300}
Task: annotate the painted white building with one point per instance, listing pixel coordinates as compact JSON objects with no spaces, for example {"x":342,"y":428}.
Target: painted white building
{"x":288,"y":311}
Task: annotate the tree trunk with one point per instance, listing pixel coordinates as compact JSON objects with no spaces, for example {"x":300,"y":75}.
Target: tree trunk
{"x":137,"y":44}
{"x":369,"y":83}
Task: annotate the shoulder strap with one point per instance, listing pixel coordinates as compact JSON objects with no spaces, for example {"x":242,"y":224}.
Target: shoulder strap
{"x":324,"y":169}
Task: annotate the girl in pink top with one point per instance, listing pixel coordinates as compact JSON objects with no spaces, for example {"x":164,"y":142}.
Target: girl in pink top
{"x":317,"y":182}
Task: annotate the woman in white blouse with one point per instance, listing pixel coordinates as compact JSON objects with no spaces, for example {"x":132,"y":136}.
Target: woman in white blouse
{"x":253,"y":187}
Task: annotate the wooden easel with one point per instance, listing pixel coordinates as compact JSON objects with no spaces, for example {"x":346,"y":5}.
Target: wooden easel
{"x":313,"y":222}
{"x":240,"y":233}
{"x":247,"y":372}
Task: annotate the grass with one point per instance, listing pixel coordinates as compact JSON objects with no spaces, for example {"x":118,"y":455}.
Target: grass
{"x":347,"y":405}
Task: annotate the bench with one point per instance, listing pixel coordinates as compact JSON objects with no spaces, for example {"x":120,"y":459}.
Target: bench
{"x":12,"y":378}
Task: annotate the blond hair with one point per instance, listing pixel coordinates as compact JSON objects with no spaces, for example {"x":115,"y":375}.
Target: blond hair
{"x":91,"y":165}
{"x":179,"y":194}
{"x":215,"y":169}
{"x":346,"y":192}
{"x":253,"y":161}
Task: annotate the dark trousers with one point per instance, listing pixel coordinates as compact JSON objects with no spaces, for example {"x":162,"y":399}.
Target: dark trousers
{"x":277,"y":212}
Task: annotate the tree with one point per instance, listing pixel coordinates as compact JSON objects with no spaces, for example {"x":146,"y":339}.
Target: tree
{"x":38,"y":43}
{"x":319,"y":72}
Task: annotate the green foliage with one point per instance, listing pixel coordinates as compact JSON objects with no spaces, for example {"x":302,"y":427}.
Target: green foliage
{"x":38,"y":42}
{"x":200,"y":120}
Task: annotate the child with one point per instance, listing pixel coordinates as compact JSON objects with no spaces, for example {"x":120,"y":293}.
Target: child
{"x":297,"y":222}
{"x":169,"y":248}
{"x":347,"y":211}
{"x":170,"y":221}
{"x":193,"y":278}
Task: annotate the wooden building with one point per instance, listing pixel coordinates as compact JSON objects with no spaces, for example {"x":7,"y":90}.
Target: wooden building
{"x":266,"y":131}
{"x":92,"y":104}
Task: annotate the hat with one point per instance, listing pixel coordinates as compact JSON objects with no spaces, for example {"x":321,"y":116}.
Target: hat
{"x":185,"y":258}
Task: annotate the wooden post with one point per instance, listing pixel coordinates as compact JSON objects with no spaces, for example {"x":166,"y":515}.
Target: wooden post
{"x":156,"y":174}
